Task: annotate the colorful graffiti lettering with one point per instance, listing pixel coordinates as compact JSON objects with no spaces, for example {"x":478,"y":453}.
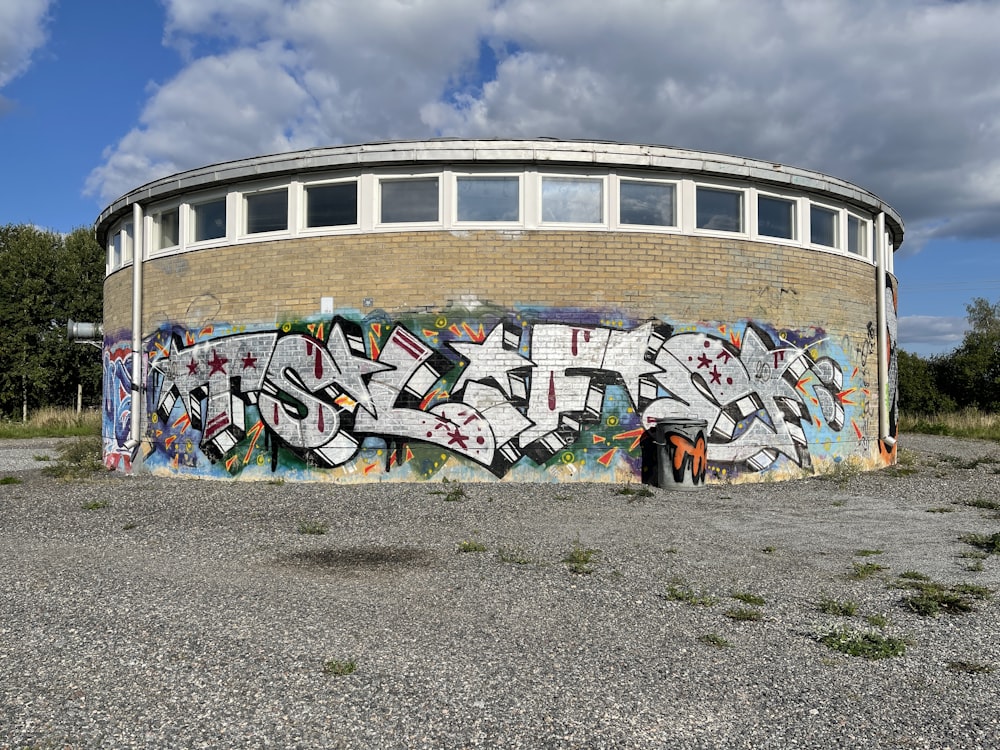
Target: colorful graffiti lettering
{"x":491,"y":395}
{"x":689,"y":459}
{"x":117,"y":407}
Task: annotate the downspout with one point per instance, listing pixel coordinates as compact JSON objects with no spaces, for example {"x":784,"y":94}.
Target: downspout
{"x":882,"y":336}
{"x":138,"y":251}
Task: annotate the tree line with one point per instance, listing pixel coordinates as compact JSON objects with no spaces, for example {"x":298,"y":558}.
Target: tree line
{"x":46,"y":278}
{"x":968,"y":377}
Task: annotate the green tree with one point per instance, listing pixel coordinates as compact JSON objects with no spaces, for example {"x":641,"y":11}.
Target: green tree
{"x":918,"y":388}
{"x":971,"y":374}
{"x":46,"y":278}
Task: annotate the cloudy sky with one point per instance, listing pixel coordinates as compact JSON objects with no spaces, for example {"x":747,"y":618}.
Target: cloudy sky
{"x":901,"y":97}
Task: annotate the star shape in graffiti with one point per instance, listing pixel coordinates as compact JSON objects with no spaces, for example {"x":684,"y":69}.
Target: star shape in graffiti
{"x":192,"y":366}
{"x":217,"y":364}
{"x":715,"y":375}
{"x":704,"y":361}
{"x":487,"y":360}
{"x":455,"y":437}
{"x":352,"y":369}
{"x":249,"y":361}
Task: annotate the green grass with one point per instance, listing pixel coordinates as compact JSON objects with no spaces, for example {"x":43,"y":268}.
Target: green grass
{"x":744,"y":614}
{"x":969,"y":423}
{"x":312,"y":527}
{"x":714,"y":639}
{"x":9,"y":480}
{"x":77,"y":459}
{"x":339,"y":667}
{"x":747,"y":598}
{"x":53,"y":423}
{"x":579,"y":559}
{"x":868,"y":552}
{"x":452,"y":495}
{"x":877,"y":620}
{"x":982,"y":503}
{"x":861,"y":571}
{"x":95,"y":505}
{"x":471,"y":545}
{"x":829,"y":606}
{"x":678,"y":591}
{"x":929,"y":599}
{"x":988,"y":544}
{"x":630,"y":490}
{"x":868,"y":644}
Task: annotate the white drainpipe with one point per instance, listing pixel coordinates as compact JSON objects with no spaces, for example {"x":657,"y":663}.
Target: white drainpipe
{"x":138,"y":251}
{"x":882,"y":340}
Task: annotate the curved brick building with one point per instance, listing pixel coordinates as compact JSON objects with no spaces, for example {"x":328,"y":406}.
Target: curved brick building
{"x":497,"y":309}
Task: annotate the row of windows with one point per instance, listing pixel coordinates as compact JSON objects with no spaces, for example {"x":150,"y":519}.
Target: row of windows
{"x":370,"y":202}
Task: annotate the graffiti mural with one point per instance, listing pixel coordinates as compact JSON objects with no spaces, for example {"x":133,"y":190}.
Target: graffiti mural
{"x":488,"y":394}
{"x":892,"y":357}
{"x":117,"y":418}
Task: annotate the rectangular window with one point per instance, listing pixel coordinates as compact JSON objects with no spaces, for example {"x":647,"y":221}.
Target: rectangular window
{"x":332,"y":205}
{"x":573,"y":200}
{"x":646,"y":203}
{"x":823,"y":226}
{"x":267,"y":212}
{"x":857,"y":236}
{"x":411,"y":200}
{"x":167,"y":229}
{"x":209,"y":220}
{"x":775,"y":217}
{"x":115,"y":251}
{"x":720,"y":210}
{"x":488,"y":199}
{"x":126,"y":242}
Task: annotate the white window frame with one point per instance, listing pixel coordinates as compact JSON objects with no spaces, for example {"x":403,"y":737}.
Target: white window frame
{"x":455,"y":177}
{"x":744,"y":193}
{"x":190,"y":207}
{"x":244,"y":210}
{"x":616,"y":220}
{"x":599,"y":177}
{"x":441,"y":177}
{"x":866,"y":233}
{"x":303,"y":204}
{"x":153,"y":229}
{"x":797,"y":223}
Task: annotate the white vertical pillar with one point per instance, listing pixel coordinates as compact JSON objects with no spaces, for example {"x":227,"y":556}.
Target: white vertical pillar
{"x":138,"y":253}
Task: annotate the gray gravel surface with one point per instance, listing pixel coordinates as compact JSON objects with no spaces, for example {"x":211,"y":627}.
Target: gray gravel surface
{"x":195,"y":613}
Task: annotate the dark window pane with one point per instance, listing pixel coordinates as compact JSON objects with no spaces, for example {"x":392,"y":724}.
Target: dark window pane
{"x":648,"y":203}
{"x":856,"y":236}
{"x":409,"y":200}
{"x":267,"y":212}
{"x":210,"y":220}
{"x":720,"y":210}
{"x":775,"y":217}
{"x":332,"y":205}
{"x":167,"y":229}
{"x":572,"y":200}
{"x":823,"y":226}
{"x":488,"y":199}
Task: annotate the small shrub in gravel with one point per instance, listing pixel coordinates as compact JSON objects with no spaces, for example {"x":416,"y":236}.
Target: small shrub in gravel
{"x":747,"y":598}
{"x":10,"y":480}
{"x":471,"y":545}
{"x":312,"y":527}
{"x":678,"y":591}
{"x":340,"y":668}
{"x":579,"y":559}
{"x":865,"y":570}
{"x":830,"y":606}
{"x":716,"y":640}
{"x":982,"y":503}
{"x":929,"y":599}
{"x":77,"y":459}
{"x":869,"y":644}
{"x":95,"y":505}
{"x":989,"y":544}
{"x":744,"y":614}
{"x":868,"y":552}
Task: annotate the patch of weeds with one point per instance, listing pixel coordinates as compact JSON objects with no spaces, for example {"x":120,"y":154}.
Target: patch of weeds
{"x":340,"y":667}
{"x":95,"y":505}
{"x":678,"y":591}
{"x":869,"y":644}
{"x":632,"y":491}
{"x":865,"y":570}
{"x":830,"y":606}
{"x":973,"y":554}
{"x":744,"y":614}
{"x":914,"y":575}
{"x":842,"y":472}
{"x":453,"y":495}
{"x":579,"y":559}
{"x":906,"y":458}
{"x":129,"y":526}
{"x":877,"y":620}
{"x":277,"y":481}
{"x":670,"y":551}
{"x":10,"y":480}
{"x":748,"y":598}
{"x":976,"y":566}
{"x":77,"y":459}
{"x":982,"y":503}
{"x":714,"y":639}
{"x":942,"y":509}
{"x":838,"y":503}
{"x":901,"y":471}
{"x":312,"y":527}
{"x":769,"y":550}
{"x":471,"y":545}
{"x":868,"y":552}
{"x":969,"y":667}
{"x":929,"y":599}
{"x":42,"y":457}
{"x":514,"y":555}
{"x":989,"y":544}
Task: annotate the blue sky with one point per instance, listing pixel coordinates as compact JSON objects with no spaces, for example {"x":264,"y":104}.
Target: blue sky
{"x":899,"y":96}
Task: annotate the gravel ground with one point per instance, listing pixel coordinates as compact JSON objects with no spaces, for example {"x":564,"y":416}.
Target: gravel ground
{"x":195,"y":613}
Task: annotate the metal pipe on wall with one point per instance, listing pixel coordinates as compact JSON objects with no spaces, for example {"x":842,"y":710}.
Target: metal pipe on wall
{"x":882,"y":249}
{"x":138,"y":251}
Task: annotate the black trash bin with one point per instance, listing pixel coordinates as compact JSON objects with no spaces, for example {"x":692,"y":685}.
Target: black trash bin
{"x":681,"y":453}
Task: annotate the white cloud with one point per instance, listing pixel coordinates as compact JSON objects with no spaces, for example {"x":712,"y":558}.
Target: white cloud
{"x":941,"y":332}
{"x":22,"y":31}
{"x":899,"y":96}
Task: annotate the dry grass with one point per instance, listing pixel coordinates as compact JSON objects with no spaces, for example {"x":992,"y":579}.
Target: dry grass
{"x":968,"y":423}
{"x":51,"y":422}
